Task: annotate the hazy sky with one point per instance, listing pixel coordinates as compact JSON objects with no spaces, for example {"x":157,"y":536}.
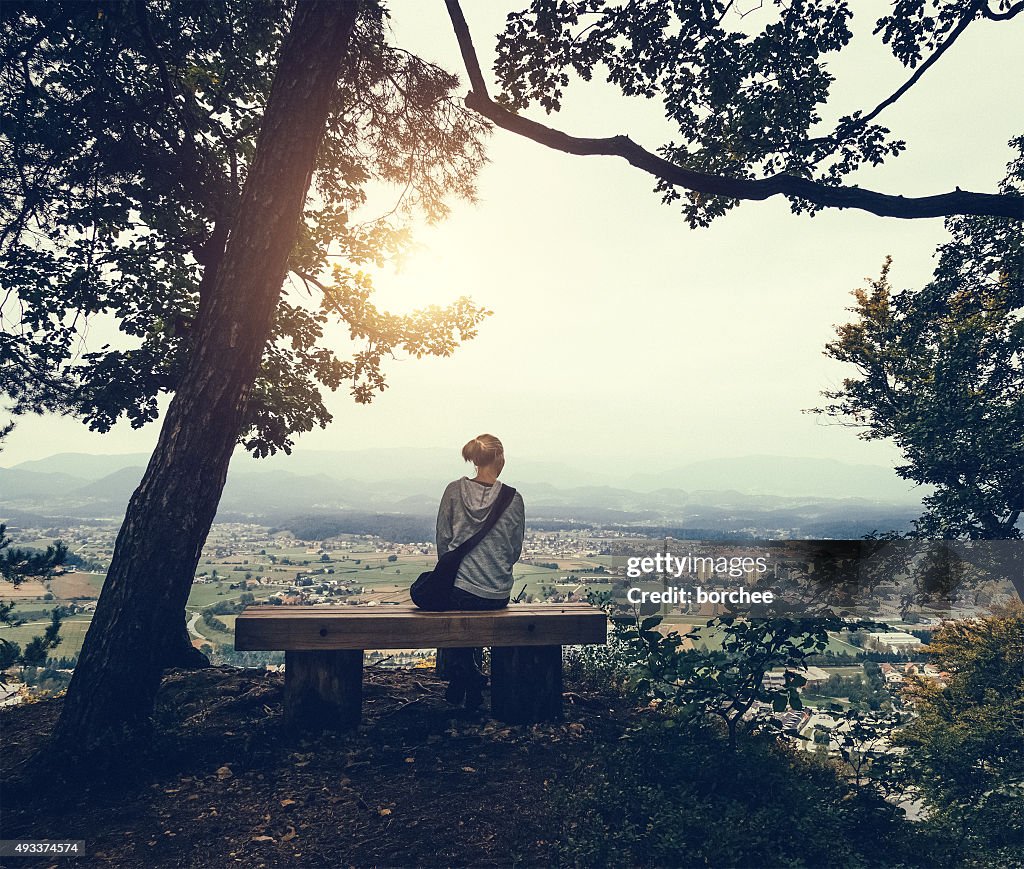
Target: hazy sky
{"x":620,"y":335}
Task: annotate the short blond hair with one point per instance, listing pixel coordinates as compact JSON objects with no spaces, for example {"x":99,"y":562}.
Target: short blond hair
{"x":483,"y":450}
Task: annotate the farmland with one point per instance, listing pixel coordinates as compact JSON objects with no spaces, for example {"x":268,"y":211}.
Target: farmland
{"x":250,"y":560}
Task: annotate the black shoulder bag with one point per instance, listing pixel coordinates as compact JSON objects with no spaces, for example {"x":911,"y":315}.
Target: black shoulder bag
{"x":431,"y":589}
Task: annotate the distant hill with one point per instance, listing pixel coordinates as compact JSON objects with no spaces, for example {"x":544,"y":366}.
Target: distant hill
{"x":18,"y":484}
{"x":115,"y":487}
{"x":785,"y":476}
{"x":85,"y":466}
{"x":749,"y":495}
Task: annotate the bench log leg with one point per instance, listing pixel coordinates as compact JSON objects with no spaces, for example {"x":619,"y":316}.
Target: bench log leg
{"x":323,"y":690}
{"x":442,"y":664}
{"x":526,"y":683}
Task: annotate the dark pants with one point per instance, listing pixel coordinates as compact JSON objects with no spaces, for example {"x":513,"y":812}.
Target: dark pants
{"x":466,"y":661}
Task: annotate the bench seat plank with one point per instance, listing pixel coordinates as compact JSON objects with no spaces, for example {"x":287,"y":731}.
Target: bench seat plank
{"x":271,"y":628}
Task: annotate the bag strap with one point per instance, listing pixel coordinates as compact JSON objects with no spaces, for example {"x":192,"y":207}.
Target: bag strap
{"x":505,"y":497}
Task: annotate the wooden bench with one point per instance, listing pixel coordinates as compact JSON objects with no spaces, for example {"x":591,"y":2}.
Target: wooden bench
{"x":324,"y":647}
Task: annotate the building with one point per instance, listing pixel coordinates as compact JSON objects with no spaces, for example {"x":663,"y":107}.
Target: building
{"x":896,"y":642}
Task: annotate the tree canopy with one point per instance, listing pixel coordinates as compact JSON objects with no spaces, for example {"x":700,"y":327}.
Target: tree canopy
{"x":747,"y":94}
{"x":940,"y":371}
{"x":965,"y":746}
{"x":129,"y":129}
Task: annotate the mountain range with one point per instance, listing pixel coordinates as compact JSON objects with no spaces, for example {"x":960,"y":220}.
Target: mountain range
{"x":802,"y":496}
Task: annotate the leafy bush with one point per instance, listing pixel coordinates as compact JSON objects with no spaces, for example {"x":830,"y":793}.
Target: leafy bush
{"x":676,"y":796}
{"x":212,"y":622}
{"x":596,"y":667}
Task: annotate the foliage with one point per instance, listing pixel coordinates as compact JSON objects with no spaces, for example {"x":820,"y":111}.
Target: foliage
{"x":17,"y":565}
{"x":224,"y":653}
{"x":864,"y":741}
{"x":44,"y":680}
{"x":10,"y":654}
{"x":129,"y":129}
{"x":727,"y":683}
{"x":599,"y":667}
{"x":866,"y":694}
{"x":36,"y":649}
{"x":965,"y":747}
{"x":226,"y":607}
{"x":676,"y":797}
{"x":742,"y":88}
{"x":940,"y":371}
{"x":212,"y":622}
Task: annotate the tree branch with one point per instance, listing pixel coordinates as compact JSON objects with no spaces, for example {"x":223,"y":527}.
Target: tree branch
{"x":882,"y":204}
{"x":992,"y":15}
{"x":922,"y":69}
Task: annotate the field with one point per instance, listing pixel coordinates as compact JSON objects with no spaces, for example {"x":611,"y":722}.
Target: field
{"x":72,"y":633}
{"x":77,"y":585}
{"x":381,"y":575}
{"x":822,"y":700}
{"x":31,"y":589}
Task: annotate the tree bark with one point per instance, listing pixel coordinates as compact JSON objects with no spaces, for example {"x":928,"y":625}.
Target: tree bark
{"x":138,"y":617}
{"x":181,"y":653}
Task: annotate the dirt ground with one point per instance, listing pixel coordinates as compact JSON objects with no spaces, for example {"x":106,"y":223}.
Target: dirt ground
{"x":421,"y":783}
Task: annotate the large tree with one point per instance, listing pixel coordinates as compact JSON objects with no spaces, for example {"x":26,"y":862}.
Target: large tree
{"x":940,"y":372}
{"x":156,"y":552}
{"x":130,"y":133}
{"x":183,"y":222}
{"x":965,"y":745}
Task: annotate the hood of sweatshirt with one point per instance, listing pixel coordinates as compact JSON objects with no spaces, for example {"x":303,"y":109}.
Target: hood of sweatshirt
{"x":477,"y":499}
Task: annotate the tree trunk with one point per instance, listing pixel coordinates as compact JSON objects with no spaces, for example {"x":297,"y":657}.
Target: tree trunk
{"x":181,"y":653}
{"x":138,"y":616}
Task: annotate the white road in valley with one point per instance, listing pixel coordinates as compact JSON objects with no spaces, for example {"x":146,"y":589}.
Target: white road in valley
{"x":192,"y":626}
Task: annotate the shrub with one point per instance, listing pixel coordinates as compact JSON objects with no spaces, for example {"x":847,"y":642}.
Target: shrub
{"x":676,"y":796}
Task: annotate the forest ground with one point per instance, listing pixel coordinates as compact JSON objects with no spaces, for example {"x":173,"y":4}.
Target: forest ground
{"x":421,"y":783}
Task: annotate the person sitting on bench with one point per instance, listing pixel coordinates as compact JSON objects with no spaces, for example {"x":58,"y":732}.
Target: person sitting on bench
{"x":484,"y":579}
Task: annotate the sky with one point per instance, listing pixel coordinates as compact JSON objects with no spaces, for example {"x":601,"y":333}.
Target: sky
{"x":620,"y":336}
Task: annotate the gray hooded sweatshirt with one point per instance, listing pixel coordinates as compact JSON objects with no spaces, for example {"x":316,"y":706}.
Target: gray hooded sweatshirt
{"x":487,"y":570}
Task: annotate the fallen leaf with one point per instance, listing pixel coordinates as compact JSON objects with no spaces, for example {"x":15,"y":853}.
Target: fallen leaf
{"x":385,"y":811}
{"x":224,"y":773}
{"x":410,"y":760}
{"x":291,"y":834}
{"x":468,"y":769}
{"x":262,"y":839}
{"x":287,"y":802}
